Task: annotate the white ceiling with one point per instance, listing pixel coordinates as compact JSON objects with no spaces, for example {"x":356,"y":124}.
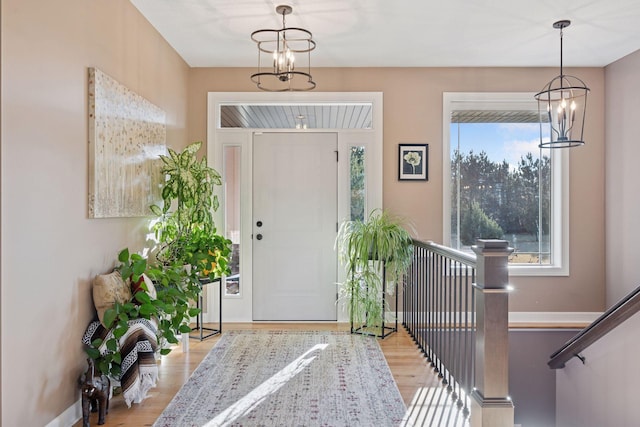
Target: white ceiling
{"x":404,"y":33}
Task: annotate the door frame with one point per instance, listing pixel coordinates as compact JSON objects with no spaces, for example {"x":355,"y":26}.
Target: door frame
{"x":239,"y":308}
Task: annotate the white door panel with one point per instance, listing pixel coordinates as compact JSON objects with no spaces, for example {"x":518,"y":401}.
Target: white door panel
{"x":294,"y":226}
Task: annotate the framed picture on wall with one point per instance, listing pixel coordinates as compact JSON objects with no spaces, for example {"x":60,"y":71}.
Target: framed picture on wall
{"x":413,"y":162}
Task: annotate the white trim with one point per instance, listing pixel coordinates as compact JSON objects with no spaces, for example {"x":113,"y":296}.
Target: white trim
{"x":69,"y":417}
{"x":239,"y":309}
{"x":552,"y":317}
{"x":529,"y":318}
{"x":560,"y":170}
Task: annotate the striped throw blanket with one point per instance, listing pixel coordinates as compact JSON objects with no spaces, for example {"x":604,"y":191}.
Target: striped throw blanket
{"x":138,"y":348}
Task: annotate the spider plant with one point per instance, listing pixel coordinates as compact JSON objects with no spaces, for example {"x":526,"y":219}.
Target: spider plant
{"x":369,"y":250}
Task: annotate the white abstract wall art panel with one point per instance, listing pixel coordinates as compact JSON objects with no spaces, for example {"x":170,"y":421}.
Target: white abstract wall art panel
{"x":126,"y":135}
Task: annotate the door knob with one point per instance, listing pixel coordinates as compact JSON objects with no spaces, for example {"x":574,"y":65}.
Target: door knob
{"x":259,"y":237}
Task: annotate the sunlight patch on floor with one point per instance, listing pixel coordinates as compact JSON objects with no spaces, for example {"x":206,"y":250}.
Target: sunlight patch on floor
{"x":434,"y":407}
{"x":248,"y":403}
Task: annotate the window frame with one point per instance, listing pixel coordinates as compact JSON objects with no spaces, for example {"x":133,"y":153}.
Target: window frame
{"x":559,"y":228}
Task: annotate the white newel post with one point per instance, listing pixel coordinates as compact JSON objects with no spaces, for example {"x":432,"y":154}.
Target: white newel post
{"x":490,"y":402}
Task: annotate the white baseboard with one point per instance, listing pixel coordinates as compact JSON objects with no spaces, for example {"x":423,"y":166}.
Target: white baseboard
{"x":516,"y":318}
{"x":69,"y":417}
{"x":523,"y":318}
{"x":536,"y":318}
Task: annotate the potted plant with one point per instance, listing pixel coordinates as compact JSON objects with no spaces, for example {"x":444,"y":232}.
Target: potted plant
{"x":190,"y":252}
{"x":207,"y":253}
{"x":370,"y":249}
{"x":185,"y":226}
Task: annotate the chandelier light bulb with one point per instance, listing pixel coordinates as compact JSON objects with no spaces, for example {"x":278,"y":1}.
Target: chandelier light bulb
{"x":289,"y":47}
{"x":560,"y":128}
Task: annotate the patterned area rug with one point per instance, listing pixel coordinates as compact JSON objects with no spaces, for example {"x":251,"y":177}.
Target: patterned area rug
{"x":289,"y":378}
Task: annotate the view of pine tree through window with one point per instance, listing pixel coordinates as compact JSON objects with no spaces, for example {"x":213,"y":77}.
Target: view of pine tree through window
{"x":500,"y":183}
{"x":357,"y":183}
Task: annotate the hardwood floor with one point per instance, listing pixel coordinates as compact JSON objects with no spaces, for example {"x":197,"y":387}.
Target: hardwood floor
{"x":408,"y":366}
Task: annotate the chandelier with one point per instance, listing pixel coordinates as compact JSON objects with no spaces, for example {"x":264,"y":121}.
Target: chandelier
{"x":282,"y":55}
{"x":562,"y":105}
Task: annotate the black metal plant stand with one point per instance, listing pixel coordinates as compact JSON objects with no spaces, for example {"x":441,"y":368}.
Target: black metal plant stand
{"x":199,"y":303}
{"x":385,"y":331}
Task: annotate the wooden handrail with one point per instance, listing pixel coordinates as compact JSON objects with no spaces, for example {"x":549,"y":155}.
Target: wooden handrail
{"x":604,"y":324}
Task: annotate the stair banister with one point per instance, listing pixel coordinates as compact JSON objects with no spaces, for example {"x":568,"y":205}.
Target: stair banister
{"x":625,"y":308}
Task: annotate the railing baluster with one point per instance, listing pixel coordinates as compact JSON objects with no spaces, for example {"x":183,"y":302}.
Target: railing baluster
{"x":456,"y":331}
{"x":423,"y":297}
{"x":408,"y":295}
{"x":421,"y":301}
{"x":461,"y":335}
{"x":427,"y":303}
{"x":449,"y":344}
{"x":432,"y":286}
{"x":439,"y":304}
{"x":439,"y":346}
{"x":468,"y":342}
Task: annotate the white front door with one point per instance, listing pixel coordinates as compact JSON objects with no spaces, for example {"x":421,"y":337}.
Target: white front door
{"x":294,"y":226}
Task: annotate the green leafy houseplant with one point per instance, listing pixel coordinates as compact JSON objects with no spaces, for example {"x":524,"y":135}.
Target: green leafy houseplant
{"x":364,"y":247}
{"x":175,"y":288}
{"x":190,"y":251}
{"x":206,"y":253}
{"x":185,"y":226}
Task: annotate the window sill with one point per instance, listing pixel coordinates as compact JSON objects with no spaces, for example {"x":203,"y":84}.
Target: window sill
{"x":538,"y":270}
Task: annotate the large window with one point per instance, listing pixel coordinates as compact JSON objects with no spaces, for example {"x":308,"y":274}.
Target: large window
{"x":499,"y":184}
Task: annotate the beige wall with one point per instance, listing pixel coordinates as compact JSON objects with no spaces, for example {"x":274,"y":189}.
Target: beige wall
{"x":623,"y":175}
{"x":50,"y":250}
{"x":413,"y":113}
{"x":590,"y":395}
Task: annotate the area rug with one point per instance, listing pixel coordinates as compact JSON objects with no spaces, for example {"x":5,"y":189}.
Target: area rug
{"x":289,"y":378}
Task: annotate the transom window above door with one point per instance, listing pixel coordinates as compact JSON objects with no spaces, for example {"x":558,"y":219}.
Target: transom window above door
{"x":347,"y":115}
